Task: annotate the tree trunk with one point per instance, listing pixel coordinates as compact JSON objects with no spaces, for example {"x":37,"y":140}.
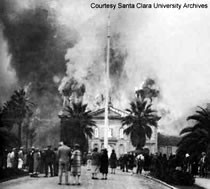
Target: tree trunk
{"x":20,"y":134}
{"x":27,"y":134}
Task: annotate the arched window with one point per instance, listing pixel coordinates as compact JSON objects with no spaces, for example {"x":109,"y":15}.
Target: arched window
{"x":110,"y":132}
{"x":96,"y":132}
{"x":95,"y":145}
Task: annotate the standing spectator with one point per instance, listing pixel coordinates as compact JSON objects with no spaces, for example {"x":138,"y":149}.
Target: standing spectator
{"x":12,"y":157}
{"x":125,"y":162}
{"x":89,"y":157}
{"x":55,"y":162}
{"x":113,"y":161}
{"x":76,"y":160}
{"x":63,"y":158}
{"x":20,"y":158}
{"x":194,"y":163}
{"x":140,"y":163}
{"x":42,"y":161}
{"x":203,"y":165}
{"x":186,"y":163}
{"x":9,"y":159}
{"x":120,"y":161}
{"x":37,"y":160}
{"x":95,"y":164}
{"x":131,"y":162}
{"x":49,"y":161}
{"x":104,"y":164}
{"x":30,"y":161}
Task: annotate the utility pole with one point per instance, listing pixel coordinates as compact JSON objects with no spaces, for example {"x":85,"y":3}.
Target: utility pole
{"x":106,"y":120}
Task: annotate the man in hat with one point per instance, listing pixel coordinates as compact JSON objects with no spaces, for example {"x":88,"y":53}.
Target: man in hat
{"x":20,"y":158}
{"x":64,"y":153}
{"x":186,"y":163}
{"x":30,"y":160}
{"x":203,"y":165}
{"x":49,"y":155}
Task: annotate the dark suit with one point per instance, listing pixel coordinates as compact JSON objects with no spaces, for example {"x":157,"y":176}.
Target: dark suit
{"x":49,"y":156}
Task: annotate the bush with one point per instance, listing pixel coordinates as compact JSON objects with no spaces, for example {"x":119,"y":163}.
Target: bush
{"x":181,"y":178}
{"x":9,"y":173}
{"x":175,"y":177}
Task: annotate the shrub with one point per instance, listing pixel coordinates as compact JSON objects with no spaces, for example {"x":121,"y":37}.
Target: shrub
{"x":11,"y":173}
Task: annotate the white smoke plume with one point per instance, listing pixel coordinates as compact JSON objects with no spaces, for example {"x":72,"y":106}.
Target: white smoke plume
{"x":7,"y":74}
{"x":171,"y":46}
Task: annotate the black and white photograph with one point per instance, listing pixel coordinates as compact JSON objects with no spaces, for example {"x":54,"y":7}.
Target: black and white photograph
{"x":109,"y":94}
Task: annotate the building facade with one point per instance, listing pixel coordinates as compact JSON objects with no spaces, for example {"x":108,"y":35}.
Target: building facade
{"x":117,"y":140}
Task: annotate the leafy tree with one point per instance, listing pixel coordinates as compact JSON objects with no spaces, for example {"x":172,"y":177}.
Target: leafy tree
{"x":139,"y":122}
{"x":28,"y":130}
{"x":196,"y":138}
{"x":16,"y":110}
{"x":7,"y":138}
{"x":77,"y":125}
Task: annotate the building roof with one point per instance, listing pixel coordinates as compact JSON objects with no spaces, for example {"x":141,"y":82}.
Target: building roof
{"x":113,"y":113}
{"x":166,"y":140}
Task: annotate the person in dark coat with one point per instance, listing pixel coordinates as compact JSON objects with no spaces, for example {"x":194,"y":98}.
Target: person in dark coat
{"x":113,"y":161}
{"x":49,"y":156}
{"x":125,"y":163}
{"x":55,"y":162}
{"x":30,"y":161}
{"x":140,"y":163}
{"x":203,"y":165}
{"x":186,"y":163}
{"x":194,"y":163}
{"x":104,"y":164}
{"x":15,"y":165}
{"x":131,"y":162}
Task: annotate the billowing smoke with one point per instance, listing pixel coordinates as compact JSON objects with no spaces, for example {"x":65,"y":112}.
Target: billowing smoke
{"x":62,"y":38}
{"x":148,"y":89}
{"x":37,"y":45}
{"x":7,"y":73}
{"x":71,"y":90}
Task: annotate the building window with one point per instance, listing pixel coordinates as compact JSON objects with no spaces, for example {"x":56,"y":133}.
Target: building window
{"x":153,"y":133}
{"x":121,"y":149}
{"x":95,"y":146}
{"x":110,"y":133}
{"x":96,"y":132}
{"x":121,"y":133}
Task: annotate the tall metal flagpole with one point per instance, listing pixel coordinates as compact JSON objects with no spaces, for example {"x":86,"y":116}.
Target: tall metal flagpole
{"x":106,"y":120}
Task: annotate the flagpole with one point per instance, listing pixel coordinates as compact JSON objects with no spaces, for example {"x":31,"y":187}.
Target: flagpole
{"x":106,"y":120}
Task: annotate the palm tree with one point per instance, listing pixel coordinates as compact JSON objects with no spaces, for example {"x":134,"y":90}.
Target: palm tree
{"x":77,"y":125}
{"x":196,"y":138}
{"x":139,"y":122}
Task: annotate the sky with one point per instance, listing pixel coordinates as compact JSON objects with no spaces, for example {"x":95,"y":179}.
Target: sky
{"x":169,"y":45}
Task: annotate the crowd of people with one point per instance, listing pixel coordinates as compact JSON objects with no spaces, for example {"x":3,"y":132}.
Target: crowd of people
{"x":97,"y":162}
{"x":62,"y":160}
{"x":34,"y":161}
{"x":155,"y":162}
